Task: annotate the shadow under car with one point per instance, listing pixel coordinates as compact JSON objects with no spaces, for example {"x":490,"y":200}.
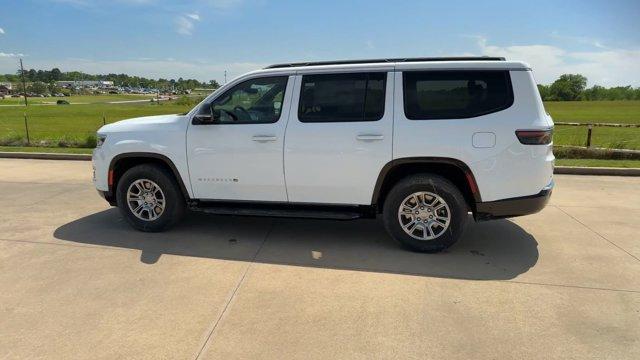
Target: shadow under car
{"x":494,"y":250}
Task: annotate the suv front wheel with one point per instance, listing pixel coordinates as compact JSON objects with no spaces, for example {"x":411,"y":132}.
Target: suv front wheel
{"x":149,"y":198}
{"x":425,"y":213}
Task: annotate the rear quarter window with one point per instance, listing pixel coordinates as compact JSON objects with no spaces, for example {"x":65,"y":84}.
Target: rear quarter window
{"x":430,"y":95}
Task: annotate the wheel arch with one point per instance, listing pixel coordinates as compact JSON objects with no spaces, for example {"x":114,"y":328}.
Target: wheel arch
{"x":453,"y":170}
{"x":125,"y":161}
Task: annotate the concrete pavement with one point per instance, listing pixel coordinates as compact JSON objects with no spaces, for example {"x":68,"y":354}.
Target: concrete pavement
{"x":77,"y":282}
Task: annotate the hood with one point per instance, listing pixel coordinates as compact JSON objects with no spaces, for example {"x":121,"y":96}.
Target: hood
{"x":144,"y":123}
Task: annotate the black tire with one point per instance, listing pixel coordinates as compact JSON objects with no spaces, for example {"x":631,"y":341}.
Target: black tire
{"x":428,"y":183}
{"x":175,"y":204}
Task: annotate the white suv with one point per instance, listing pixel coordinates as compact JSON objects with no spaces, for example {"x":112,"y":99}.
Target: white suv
{"x":422,"y":142}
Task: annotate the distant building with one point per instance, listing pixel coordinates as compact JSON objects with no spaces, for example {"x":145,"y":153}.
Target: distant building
{"x":85,"y":84}
{"x":5,"y":90}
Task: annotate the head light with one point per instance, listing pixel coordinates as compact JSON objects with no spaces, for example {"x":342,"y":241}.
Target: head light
{"x":100,"y":140}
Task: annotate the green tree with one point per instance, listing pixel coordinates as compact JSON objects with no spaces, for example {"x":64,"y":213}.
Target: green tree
{"x":53,"y":88}
{"x":544,"y":91}
{"x":595,"y":92}
{"x":55,"y":74}
{"x":568,"y":87}
{"x":38,"y":88}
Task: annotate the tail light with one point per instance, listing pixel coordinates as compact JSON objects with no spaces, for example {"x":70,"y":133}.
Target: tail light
{"x":535,"y":137}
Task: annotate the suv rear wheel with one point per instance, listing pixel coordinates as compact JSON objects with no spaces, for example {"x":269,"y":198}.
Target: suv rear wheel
{"x":149,"y":198}
{"x":425,"y":213}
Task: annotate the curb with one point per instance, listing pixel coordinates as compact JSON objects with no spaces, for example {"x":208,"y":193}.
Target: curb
{"x":44,"y":156}
{"x":567,"y":170}
{"x":576,"y":170}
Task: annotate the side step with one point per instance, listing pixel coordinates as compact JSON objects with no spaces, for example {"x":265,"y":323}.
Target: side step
{"x":311,"y":211}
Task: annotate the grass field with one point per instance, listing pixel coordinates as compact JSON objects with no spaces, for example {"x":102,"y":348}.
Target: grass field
{"x":81,"y":99}
{"x":615,"y":138}
{"x":620,"y":112}
{"x":71,"y":123}
{"x":58,"y":150}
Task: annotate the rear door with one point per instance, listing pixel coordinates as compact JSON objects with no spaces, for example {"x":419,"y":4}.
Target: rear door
{"x":339,"y":135}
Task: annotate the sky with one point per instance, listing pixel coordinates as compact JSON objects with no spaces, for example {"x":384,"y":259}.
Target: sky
{"x":202,"y":38}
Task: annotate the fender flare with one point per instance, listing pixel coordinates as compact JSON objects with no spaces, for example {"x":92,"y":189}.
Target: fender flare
{"x":388,"y":167}
{"x":167,"y":161}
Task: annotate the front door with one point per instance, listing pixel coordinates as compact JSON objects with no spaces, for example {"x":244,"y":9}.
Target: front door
{"x":339,"y":136}
{"x":238,"y":156}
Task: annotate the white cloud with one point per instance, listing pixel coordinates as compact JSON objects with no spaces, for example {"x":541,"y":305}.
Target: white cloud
{"x":579,"y":39}
{"x":1,"y":31}
{"x":184,"y":26}
{"x":185,"y":23}
{"x":10,"y":55}
{"x":603,"y":66}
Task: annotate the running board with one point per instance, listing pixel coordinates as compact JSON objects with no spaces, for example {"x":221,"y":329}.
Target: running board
{"x":309,"y":211}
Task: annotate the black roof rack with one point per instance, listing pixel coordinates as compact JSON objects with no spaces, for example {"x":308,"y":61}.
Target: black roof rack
{"x":392,"y":60}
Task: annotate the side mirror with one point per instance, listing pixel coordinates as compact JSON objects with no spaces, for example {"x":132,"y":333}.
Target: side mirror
{"x":206,"y":118}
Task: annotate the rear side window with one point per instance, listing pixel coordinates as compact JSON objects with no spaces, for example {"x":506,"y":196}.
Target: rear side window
{"x":342,"y":97}
{"x":455,"y":94}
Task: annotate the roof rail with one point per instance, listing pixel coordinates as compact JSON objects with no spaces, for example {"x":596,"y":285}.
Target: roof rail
{"x":391,"y":60}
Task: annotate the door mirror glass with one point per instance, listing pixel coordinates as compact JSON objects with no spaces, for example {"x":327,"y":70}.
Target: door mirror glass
{"x":206,"y":115}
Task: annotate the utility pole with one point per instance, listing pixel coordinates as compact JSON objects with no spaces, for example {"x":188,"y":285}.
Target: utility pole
{"x":24,"y":84}
{"x":225,"y":76}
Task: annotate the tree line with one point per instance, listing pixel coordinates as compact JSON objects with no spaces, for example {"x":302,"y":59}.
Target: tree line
{"x":573,"y":87}
{"x":49,"y":77}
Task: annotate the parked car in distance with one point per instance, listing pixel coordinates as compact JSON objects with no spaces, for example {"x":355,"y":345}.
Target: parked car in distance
{"x":421,"y":143}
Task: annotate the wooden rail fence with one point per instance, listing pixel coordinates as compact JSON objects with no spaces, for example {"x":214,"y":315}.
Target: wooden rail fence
{"x":590,"y":127}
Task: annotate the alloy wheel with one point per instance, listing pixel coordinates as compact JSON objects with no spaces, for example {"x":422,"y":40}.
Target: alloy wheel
{"x":146,"y":199}
{"x":424,"y":215}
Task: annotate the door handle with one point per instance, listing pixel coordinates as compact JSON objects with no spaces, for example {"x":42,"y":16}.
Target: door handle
{"x":370,"y":137}
{"x":264,"y":138}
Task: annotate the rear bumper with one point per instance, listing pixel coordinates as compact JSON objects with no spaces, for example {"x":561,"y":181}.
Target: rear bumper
{"x":514,"y":206}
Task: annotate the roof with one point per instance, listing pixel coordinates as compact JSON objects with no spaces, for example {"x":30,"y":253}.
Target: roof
{"x":389,"y":64}
{"x":387,"y":60}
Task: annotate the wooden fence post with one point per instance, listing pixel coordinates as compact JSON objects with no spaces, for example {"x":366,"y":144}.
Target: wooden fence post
{"x":589,"y":130}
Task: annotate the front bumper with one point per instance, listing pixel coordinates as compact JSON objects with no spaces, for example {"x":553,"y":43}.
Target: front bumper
{"x":107,"y":195}
{"x":512,"y":207}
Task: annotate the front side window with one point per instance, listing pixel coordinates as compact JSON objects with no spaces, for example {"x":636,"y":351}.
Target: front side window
{"x":455,"y":94}
{"x":254,"y":101}
{"x":342,"y":97}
